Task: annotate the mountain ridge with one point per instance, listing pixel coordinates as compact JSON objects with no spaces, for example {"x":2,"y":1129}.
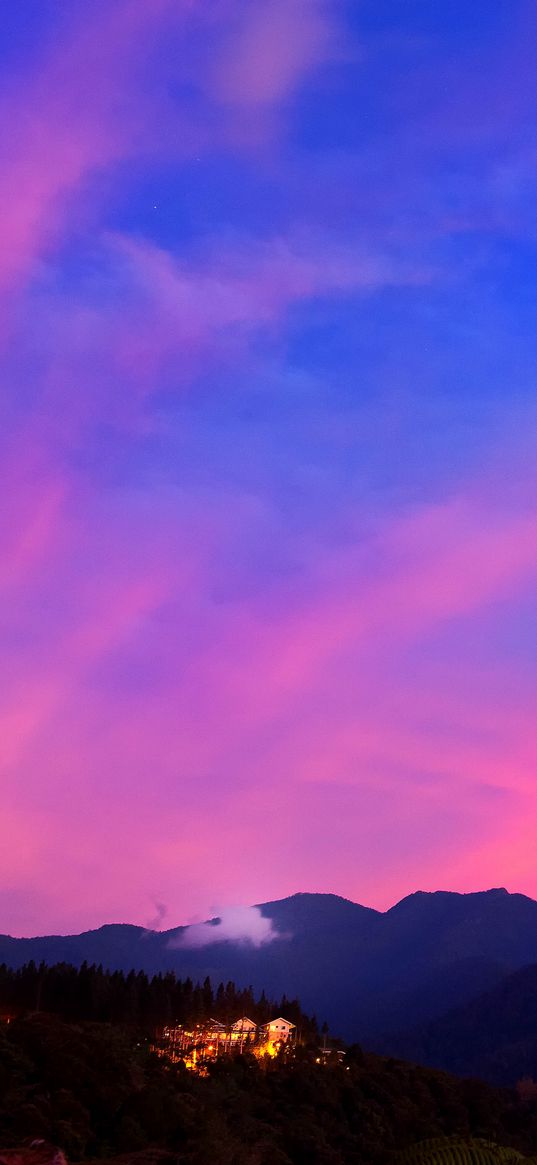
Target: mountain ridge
{"x":370,"y":973}
{"x":493,"y":1036}
{"x":297,"y":895}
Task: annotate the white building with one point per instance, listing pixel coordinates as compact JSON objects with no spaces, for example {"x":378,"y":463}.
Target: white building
{"x":279,"y":1029}
{"x":244,"y":1026}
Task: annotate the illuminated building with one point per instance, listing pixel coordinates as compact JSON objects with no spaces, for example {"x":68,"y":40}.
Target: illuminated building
{"x":279,"y":1029}
{"x":196,"y":1044}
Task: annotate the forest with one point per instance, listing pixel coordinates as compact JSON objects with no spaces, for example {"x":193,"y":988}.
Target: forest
{"x":82,"y":1073}
{"x":136,"y":1000}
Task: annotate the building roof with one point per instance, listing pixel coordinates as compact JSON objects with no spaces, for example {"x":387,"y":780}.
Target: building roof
{"x":280,"y":1019}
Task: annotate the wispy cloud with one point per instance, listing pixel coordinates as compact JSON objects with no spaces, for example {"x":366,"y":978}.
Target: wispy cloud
{"x":155,"y":922}
{"x":269,"y":49}
{"x":78,"y":112}
{"x":260,"y":551}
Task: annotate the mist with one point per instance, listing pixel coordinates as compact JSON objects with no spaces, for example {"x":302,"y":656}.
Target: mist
{"x":238,"y":924}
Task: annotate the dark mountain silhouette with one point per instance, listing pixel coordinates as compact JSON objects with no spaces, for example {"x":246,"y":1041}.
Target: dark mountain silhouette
{"x":493,"y":1037}
{"x":369,"y":974}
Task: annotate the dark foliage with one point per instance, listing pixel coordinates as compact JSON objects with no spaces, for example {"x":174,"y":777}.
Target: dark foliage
{"x":134,"y":1000}
{"x":98,"y":1091}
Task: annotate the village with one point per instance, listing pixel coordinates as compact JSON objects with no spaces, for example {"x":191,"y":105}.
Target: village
{"x":197,"y":1045}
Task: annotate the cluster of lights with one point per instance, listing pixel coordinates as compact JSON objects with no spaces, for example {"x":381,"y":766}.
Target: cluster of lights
{"x":204,"y":1042}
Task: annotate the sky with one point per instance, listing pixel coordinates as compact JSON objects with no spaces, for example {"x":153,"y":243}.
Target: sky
{"x":268,"y":540}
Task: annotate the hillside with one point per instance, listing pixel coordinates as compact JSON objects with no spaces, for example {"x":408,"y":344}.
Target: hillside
{"x":96,"y":1090}
{"x":493,"y":1037}
{"x":370,"y":974}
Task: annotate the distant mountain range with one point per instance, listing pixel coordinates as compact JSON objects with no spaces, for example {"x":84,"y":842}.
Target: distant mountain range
{"x":493,"y":1037}
{"x":369,"y":974}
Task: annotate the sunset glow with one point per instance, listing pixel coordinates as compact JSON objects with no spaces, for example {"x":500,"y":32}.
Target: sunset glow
{"x":268,"y":547}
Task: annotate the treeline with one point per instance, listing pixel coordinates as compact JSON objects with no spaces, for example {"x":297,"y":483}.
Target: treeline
{"x":92,"y":994}
{"x":99,"y":1092}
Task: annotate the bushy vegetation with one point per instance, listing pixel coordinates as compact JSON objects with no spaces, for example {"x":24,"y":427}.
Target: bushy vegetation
{"x":78,"y":1068}
{"x":98,"y":1091}
{"x":461,"y":1151}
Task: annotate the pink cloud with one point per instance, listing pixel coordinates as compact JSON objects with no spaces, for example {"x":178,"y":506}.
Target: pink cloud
{"x":271,"y":47}
{"x":73,"y":116}
{"x":182,"y":316}
{"x":369,"y":724}
{"x":35,"y":700}
{"x":509,"y":845}
{"x":254,"y":710}
{"x":135,"y":700}
{"x":92,"y":579}
{"x":441,"y":564}
{"x":191,"y":308}
{"x":84,"y":108}
{"x":33,"y":531}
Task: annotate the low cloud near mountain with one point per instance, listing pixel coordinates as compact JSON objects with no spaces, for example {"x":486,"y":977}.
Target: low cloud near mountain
{"x":237,"y":924}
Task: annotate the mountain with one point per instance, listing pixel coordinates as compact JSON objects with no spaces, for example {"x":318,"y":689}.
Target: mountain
{"x":493,"y":1037}
{"x":369,"y":974}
